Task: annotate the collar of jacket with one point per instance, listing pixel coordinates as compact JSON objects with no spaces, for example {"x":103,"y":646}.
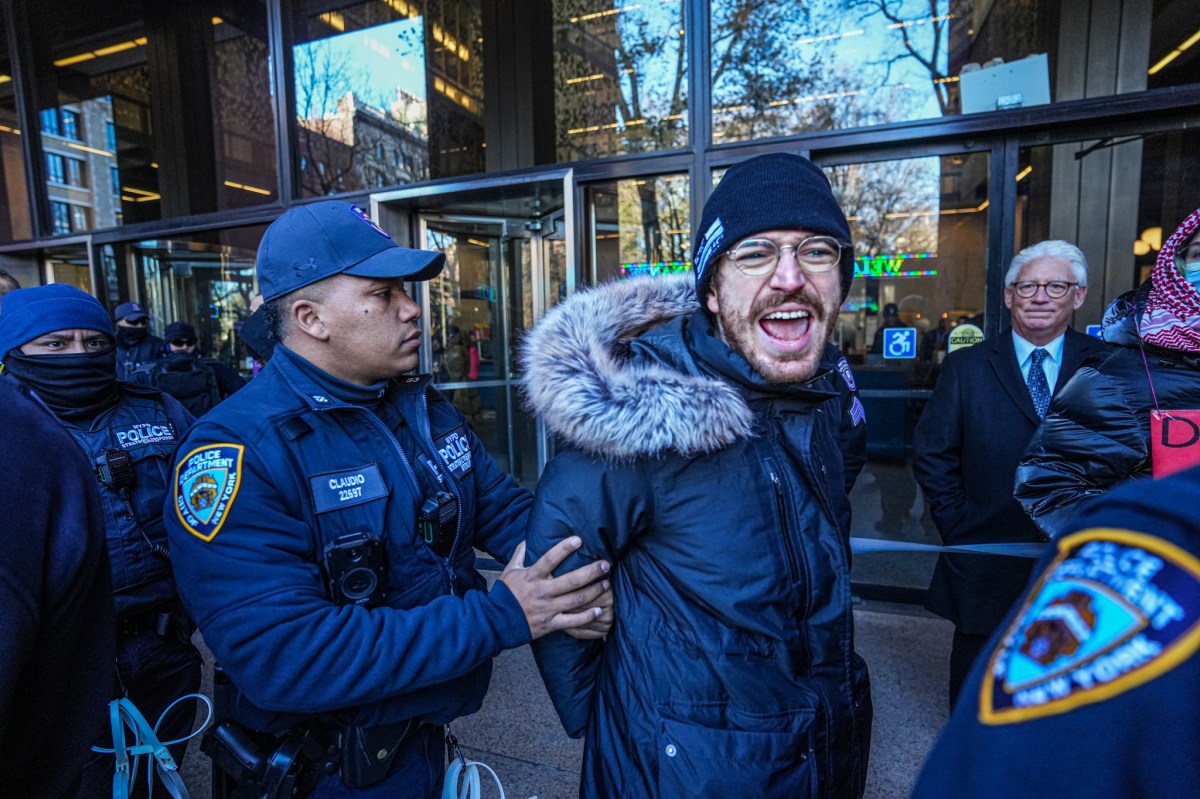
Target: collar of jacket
{"x":316,"y":397}
{"x":628,"y":369}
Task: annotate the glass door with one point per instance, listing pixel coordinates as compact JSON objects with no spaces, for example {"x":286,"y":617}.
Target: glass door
{"x":489,"y":294}
{"x":507,"y":248}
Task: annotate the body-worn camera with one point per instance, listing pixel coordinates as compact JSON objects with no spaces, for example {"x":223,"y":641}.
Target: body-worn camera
{"x":114,"y":467}
{"x":356,"y":570}
{"x":439,"y":522}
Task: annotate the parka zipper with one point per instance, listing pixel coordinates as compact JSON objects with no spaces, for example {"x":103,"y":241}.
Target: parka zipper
{"x":781,"y":504}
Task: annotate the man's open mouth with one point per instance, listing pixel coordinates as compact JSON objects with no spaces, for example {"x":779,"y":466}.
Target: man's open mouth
{"x":787,"y":326}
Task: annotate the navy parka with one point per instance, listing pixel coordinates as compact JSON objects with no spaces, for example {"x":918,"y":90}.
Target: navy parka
{"x":730,"y":670}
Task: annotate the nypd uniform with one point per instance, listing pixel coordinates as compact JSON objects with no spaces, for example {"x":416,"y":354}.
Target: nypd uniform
{"x":268,"y":489}
{"x":1090,"y":688}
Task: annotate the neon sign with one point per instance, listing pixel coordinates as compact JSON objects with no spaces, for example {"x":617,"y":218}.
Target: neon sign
{"x":891,"y":265}
{"x":655,"y":268}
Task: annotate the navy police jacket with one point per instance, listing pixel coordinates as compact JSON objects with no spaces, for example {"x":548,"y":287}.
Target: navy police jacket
{"x":267,"y":479}
{"x":1090,"y":687}
{"x":148,"y":425}
{"x":720,"y":500}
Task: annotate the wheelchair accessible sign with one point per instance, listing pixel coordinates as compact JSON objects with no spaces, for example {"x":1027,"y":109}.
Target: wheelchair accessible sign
{"x":900,"y":342}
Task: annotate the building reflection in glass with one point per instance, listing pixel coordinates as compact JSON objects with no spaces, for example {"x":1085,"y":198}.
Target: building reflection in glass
{"x":640,"y":226}
{"x":387,"y":92}
{"x":620,"y":76}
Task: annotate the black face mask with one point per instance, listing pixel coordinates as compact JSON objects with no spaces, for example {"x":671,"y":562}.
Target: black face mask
{"x":178,"y":361}
{"x":73,"y":386}
{"x":130,"y":336}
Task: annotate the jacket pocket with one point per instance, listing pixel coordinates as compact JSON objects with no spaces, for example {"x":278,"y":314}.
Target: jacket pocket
{"x":713,"y":750}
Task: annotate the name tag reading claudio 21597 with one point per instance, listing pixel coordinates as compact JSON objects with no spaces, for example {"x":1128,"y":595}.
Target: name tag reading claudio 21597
{"x":346,"y":487}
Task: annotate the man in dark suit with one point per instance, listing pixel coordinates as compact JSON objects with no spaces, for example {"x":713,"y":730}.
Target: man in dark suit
{"x":986,"y":406}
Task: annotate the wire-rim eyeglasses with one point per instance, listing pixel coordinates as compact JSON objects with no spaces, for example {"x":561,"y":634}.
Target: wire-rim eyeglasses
{"x":815,"y":255}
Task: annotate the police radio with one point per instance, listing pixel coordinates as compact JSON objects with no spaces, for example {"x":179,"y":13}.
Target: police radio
{"x":114,"y":467}
{"x":356,"y":570}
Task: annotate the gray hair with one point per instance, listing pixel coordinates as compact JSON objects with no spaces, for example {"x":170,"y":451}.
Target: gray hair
{"x":1054,"y":248}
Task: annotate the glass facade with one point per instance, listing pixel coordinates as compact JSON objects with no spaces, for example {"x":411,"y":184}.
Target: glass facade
{"x":639,"y":226}
{"x":620,"y":76}
{"x":177,"y":107}
{"x":547,"y":146}
{"x":387,"y":92}
{"x":779,"y":68}
{"x":1143,"y":185}
{"x":205,"y":279}
{"x":14,"y":194}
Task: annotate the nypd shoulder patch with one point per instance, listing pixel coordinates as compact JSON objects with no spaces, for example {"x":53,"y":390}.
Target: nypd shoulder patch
{"x":207,"y":480}
{"x":1114,"y":610}
{"x":843,"y":367}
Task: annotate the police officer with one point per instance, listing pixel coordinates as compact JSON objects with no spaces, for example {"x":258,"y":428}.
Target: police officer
{"x":1089,"y":689}
{"x":58,"y":342}
{"x":198,"y":383}
{"x":135,"y":346}
{"x":324,"y":521}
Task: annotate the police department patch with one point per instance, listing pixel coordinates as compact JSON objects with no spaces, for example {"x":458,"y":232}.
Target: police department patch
{"x":1114,"y":610}
{"x":206,"y":483}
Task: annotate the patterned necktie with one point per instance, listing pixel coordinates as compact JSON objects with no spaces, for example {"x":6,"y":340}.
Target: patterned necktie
{"x":1039,"y":389}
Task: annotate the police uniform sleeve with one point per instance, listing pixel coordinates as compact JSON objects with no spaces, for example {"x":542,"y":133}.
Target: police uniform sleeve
{"x":249,"y":576}
{"x":607,"y":508}
{"x":1088,"y":687}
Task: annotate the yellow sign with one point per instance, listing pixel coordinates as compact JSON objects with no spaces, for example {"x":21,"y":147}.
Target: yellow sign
{"x":964,"y":336}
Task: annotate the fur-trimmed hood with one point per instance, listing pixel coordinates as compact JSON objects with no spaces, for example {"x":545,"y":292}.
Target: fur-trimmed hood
{"x":582,"y":380}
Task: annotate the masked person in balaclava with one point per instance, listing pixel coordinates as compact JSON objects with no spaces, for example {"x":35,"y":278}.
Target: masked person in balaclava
{"x":56,"y":342}
{"x":136,"y":348}
{"x":1134,"y":413}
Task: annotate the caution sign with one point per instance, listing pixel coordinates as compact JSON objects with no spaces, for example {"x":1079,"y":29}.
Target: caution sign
{"x":964,"y":336}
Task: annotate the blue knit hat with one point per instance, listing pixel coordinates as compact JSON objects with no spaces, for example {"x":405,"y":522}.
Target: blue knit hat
{"x":26,"y":314}
{"x":779,"y":191}
{"x":312,"y":242}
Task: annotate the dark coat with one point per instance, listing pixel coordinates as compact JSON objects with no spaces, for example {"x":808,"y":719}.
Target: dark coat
{"x":130,"y":359}
{"x":718,"y":498}
{"x":1116,"y":717}
{"x":1097,"y":433}
{"x":56,"y":609}
{"x":966,"y":449}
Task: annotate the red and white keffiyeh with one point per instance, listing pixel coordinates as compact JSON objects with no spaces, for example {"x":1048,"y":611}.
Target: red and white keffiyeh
{"x":1171,"y":318}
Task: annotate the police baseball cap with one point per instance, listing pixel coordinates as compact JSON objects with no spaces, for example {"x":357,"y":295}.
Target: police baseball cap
{"x":312,"y":242}
{"x":131,"y":311}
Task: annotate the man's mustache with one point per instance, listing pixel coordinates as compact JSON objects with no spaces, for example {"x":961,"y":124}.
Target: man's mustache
{"x":801,"y":297}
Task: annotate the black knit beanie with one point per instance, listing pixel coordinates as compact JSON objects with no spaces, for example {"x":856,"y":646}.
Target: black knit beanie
{"x":779,"y":191}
